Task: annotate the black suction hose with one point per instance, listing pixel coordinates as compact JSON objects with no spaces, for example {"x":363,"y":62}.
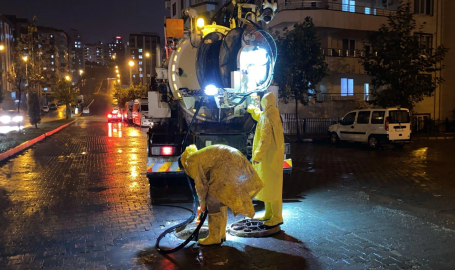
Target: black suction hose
{"x":202,"y":217}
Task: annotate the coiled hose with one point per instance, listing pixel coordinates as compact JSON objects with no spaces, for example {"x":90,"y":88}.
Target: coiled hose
{"x":202,"y":217}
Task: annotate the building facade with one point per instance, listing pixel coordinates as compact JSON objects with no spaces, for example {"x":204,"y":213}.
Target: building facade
{"x":343,"y":26}
{"x":6,"y":62}
{"x":77,"y":55}
{"x":97,"y":53}
{"x":142,"y":51}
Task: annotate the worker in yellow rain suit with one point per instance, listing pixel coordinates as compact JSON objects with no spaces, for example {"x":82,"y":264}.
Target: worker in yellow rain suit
{"x":268,"y":155}
{"x":223,"y":177}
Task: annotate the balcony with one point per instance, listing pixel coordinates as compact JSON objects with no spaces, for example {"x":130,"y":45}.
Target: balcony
{"x":306,"y":4}
{"x":325,"y":97}
{"x":328,"y":14}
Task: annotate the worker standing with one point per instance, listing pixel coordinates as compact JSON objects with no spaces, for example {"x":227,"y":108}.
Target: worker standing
{"x":223,"y":178}
{"x":268,"y":155}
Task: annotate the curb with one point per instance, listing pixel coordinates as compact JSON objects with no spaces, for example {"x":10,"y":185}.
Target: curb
{"x":31,"y":142}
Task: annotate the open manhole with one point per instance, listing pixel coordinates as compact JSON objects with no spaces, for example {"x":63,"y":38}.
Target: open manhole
{"x":185,"y":231}
{"x":251,"y":228}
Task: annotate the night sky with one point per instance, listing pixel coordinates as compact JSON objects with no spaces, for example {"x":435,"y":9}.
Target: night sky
{"x":96,"y":20}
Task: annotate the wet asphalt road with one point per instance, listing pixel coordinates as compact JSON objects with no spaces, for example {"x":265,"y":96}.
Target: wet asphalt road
{"x":80,"y":200}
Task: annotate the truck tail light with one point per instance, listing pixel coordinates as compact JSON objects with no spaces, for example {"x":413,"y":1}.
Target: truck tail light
{"x":118,"y":115}
{"x":163,"y":150}
{"x":386,"y":124}
{"x":109,"y":116}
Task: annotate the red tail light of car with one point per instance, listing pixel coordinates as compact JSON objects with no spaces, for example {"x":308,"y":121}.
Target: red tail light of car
{"x":163,"y":150}
{"x":109,"y":116}
{"x":386,"y":124}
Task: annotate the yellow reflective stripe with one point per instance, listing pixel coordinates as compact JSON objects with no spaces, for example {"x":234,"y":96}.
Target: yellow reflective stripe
{"x":165,"y":167}
{"x":289,"y":161}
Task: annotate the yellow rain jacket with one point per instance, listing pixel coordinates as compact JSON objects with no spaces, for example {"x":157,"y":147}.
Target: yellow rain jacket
{"x":268,"y":149}
{"x":225,"y":174}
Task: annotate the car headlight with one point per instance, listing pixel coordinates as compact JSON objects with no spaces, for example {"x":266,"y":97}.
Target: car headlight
{"x":5,"y":119}
{"x":18,"y":118}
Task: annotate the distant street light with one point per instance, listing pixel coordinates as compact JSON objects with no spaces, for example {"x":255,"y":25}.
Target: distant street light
{"x":2,"y":47}
{"x":147,"y":54}
{"x":116,"y":67}
{"x":118,"y":75}
{"x":68,"y":78}
{"x":25,"y":58}
{"x":131,"y":63}
{"x":81,"y":71}
{"x":113,"y":57}
{"x":116,"y":71}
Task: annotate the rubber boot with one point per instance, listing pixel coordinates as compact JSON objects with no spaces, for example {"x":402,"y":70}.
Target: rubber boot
{"x":214,"y":238}
{"x":223,"y":210}
{"x":277,"y":218}
{"x":268,"y":212}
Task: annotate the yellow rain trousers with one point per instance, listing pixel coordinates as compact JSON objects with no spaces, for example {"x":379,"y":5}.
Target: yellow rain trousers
{"x":268,"y":149}
{"x":224,"y":173}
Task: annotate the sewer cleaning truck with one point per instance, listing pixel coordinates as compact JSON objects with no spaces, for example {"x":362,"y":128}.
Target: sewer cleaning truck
{"x":214,"y":69}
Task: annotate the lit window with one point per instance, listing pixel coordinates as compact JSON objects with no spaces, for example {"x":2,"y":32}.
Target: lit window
{"x":140,"y":50}
{"x":52,"y":63}
{"x":45,"y":88}
{"x":132,"y":56}
{"x":140,"y":56}
{"x":134,"y":76}
{"x":366,"y":88}
{"x":75,"y":46}
{"x":140,"y":69}
{"x":367,"y":10}
{"x":51,"y":36}
{"x":347,"y":87}
{"x":140,"y":75}
{"x":52,"y":56}
{"x":13,"y":95}
{"x":140,"y":62}
{"x":348,"y":5}
{"x":53,"y":69}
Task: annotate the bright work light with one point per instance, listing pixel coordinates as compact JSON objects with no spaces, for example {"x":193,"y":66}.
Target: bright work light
{"x":211,"y":90}
{"x":200,"y":22}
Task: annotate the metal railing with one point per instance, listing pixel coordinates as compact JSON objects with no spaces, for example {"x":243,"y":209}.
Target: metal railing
{"x":320,"y":97}
{"x":306,"y":125}
{"x":335,"y":52}
{"x":325,"y":4}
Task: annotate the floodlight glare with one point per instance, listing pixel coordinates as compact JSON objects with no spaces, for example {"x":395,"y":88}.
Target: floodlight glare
{"x":211,"y":90}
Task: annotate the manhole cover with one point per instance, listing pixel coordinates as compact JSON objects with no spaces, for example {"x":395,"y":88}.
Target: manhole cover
{"x":251,"y":228}
{"x":185,"y":232}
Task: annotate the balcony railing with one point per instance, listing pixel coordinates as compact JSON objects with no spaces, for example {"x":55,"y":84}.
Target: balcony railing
{"x":321,"y":97}
{"x":324,"y":4}
{"x":335,"y":52}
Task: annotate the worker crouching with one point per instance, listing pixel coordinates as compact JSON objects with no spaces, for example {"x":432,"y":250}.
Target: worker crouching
{"x":223,"y":178}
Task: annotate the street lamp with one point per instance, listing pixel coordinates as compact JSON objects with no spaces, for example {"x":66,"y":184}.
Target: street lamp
{"x":68,"y":78}
{"x":25,"y":58}
{"x":2,"y":47}
{"x":80,"y":72}
{"x":116,"y":67}
{"x":116,"y":71}
{"x":148,"y":55}
{"x":131,"y":63}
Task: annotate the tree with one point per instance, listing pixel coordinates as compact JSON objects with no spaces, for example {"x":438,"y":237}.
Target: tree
{"x":300,"y":64}
{"x":65,"y":94}
{"x":402,"y":67}
{"x":133,"y":92}
{"x":34,"y":109}
{"x":27,"y":73}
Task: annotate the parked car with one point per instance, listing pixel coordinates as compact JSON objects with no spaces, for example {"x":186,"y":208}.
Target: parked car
{"x":86,"y":110}
{"x":10,"y":117}
{"x":374,"y":126}
{"x":52,"y":107}
{"x":115,"y":115}
{"x":45,"y":109}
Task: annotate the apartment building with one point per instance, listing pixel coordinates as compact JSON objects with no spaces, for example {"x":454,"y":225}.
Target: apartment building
{"x":6,"y":59}
{"x":76,"y":54}
{"x":97,"y":53}
{"x":142,"y":51}
{"x":343,"y":26}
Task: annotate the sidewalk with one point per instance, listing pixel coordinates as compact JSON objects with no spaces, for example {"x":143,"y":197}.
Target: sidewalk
{"x":15,"y":138}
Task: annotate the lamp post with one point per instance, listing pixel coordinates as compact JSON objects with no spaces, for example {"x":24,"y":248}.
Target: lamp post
{"x":25,"y":58}
{"x":148,"y":55}
{"x":131,"y":63}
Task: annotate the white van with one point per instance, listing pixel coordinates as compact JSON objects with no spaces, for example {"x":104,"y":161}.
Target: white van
{"x":374,"y":126}
{"x":129,"y":110}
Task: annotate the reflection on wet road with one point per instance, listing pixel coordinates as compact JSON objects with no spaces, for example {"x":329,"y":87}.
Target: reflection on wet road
{"x":80,"y":200}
